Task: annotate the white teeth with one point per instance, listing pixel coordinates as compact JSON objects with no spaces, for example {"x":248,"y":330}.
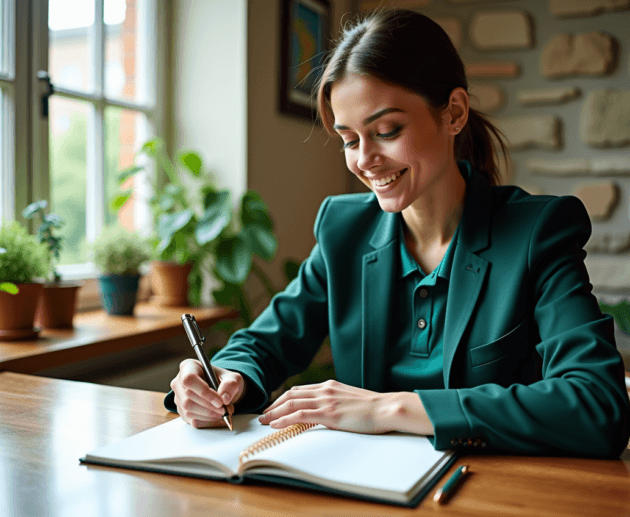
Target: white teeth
{"x":387,"y":179}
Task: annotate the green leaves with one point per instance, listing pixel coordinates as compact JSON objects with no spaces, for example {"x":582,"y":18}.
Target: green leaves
{"x":32,"y":209}
{"x":260,"y":240}
{"x":127,"y":173}
{"x":9,"y":287}
{"x":620,"y":312}
{"x":290,"y":268}
{"x":215,"y":218}
{"x":45,"y":232}
{"x":152,"y":147}
{"x":195,"y":222}
{"x":169,"y":224}
{"x":254,"y":210}
{"x":234,"y":260}
{"x":119,"y":200}
{"x":192,"y":161}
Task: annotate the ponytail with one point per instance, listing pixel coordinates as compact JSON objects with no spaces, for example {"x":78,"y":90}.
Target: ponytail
{"x":479,"y":143}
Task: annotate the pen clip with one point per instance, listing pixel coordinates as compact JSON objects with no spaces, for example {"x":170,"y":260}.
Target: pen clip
{"x":192,"y":330}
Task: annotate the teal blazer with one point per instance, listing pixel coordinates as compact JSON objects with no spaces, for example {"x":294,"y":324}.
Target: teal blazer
{"x":530,"y":362}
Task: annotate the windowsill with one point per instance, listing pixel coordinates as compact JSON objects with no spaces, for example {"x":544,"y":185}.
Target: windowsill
{"x":97,"y":334}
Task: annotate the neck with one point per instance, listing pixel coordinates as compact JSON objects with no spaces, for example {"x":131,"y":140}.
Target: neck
{"x":432,"y":219}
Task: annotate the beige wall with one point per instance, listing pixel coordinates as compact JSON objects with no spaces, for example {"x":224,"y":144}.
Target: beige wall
{"x":208,"y":86}
{"x":291,"y":162}
{"x":224,"y":104}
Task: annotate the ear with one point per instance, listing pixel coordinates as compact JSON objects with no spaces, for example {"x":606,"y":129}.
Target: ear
{"x":456,"y":114}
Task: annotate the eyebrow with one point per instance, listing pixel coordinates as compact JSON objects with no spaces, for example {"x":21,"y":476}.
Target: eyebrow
{"x":372,"y":117}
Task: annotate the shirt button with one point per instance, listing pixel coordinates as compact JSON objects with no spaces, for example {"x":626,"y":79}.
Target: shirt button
{"x":424,"y":293}
{"x":422,"y":324}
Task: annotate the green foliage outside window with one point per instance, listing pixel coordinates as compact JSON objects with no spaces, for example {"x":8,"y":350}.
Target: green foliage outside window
{"x":68,"y":179}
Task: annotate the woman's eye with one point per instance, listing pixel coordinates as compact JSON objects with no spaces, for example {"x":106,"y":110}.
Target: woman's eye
{"x":385,"y":136}
{"x":348,"y":145}
{"x":391,"y":134}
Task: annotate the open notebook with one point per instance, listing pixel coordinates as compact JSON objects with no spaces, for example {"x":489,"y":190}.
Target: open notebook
{"x":396,"y":468}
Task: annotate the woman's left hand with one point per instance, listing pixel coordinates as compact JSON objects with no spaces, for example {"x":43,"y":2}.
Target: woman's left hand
{"x":333,"y":404}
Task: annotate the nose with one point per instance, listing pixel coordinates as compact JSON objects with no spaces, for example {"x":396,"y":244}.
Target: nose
{"x":369,"y":156}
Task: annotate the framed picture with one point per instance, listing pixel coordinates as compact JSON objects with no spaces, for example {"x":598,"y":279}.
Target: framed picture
{"x":305,"y":26}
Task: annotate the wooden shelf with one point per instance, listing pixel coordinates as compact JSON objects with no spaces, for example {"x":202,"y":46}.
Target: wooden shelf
{"x":96,"y":334}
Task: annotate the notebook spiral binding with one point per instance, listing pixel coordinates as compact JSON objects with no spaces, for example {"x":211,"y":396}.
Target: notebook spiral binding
{"x":273,"y":439}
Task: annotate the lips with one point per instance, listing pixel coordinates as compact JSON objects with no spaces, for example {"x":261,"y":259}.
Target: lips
{"x":388,"y":179}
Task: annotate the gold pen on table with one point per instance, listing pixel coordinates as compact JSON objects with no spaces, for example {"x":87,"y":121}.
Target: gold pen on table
{"x":443,"y":493}
{"x":196,"y":340}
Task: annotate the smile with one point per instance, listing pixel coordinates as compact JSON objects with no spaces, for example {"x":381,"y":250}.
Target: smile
{"x":381,"y":182}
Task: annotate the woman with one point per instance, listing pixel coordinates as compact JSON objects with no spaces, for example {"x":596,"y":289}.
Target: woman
{"x":456,"y":308}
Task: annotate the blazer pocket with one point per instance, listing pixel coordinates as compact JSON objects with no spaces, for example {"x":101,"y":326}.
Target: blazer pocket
{"x":490,"y":352}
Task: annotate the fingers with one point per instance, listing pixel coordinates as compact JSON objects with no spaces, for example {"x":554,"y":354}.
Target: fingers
{"x":293,"y":411}
{"x":199,"y":416}
{"x":307,"y":391}
{"x":197,"y":403}
{"x":231,"y":386}
{"x":190,"y":382}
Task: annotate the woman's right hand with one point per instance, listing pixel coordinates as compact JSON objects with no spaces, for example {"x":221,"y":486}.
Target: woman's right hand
{"x":197,"y":403}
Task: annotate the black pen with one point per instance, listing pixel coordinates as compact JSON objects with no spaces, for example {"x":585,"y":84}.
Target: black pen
{"x":196,"y":340}
{"x":442,"y":493}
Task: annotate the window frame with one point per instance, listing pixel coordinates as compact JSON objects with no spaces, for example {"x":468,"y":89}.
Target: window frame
{"x":14,"y":134}
{"x":154,"y":111}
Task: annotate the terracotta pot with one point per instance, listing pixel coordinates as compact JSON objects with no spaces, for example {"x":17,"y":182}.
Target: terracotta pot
{"x":17,"y":312}
{"x":169,"y":282}
{"x":56,"y":307}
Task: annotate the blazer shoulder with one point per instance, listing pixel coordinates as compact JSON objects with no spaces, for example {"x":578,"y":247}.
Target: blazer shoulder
{"x":344,"y":208}
{"x":512,"y":196}
{"x":348,"y":218}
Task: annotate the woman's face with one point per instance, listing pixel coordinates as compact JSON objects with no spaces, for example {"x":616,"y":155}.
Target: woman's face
{"x":392,"y":141}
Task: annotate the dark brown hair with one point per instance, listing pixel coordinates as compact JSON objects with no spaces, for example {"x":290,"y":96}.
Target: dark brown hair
{"x":408,"y":49}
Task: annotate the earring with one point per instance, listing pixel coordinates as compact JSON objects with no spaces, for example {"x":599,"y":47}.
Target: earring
{"x":457,"y":129}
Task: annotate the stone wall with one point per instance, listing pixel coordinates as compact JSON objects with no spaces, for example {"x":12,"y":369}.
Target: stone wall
{"x":555,"y":77}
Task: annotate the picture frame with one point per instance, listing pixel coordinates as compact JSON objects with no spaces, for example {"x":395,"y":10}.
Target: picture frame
{"x":305,"y":30}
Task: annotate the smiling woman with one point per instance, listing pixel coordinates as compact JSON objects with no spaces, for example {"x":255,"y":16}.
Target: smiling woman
{"x":455,"y":307}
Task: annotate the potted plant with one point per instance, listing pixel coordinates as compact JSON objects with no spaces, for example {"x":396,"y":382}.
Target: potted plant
{"x":619,"y":309}
{"x":23,"y":262}
{"x":118,"y":254}
{"x":196,"y":226}
{"x":57,"y":302}
{"x":8,"y":287}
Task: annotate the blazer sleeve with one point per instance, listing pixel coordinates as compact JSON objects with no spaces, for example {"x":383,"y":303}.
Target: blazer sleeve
{"x":580,"y":407}
{"x":283,"y":340}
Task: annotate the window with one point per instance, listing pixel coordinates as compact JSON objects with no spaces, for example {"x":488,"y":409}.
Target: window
{"x":102,"y":62}
{"x":8,"y":90}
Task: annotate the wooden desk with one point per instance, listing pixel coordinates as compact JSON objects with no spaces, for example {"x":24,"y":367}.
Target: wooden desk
{"x":47,"y":424}
{"x":97,"y":333}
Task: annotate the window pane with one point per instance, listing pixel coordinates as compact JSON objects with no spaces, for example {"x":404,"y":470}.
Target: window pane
{"x":3,"y":170}
{"x":4,"y":33}
{"x":123,"y":134}
{"x":128,"y":46}
{"x":68,"y":165}
{"x":70,"y":39}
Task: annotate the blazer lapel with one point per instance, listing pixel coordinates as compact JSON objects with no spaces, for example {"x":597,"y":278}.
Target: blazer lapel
{"x":468,"y":271}
{"x":379,"y":270}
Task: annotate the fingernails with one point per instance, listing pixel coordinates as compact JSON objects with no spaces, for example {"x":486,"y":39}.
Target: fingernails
{"x":216,"y":403}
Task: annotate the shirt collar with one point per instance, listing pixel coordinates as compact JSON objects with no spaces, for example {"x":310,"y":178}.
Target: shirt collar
{"x":409,"y":265}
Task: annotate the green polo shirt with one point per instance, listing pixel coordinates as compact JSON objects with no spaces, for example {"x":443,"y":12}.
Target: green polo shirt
{"x":417,"y":330}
